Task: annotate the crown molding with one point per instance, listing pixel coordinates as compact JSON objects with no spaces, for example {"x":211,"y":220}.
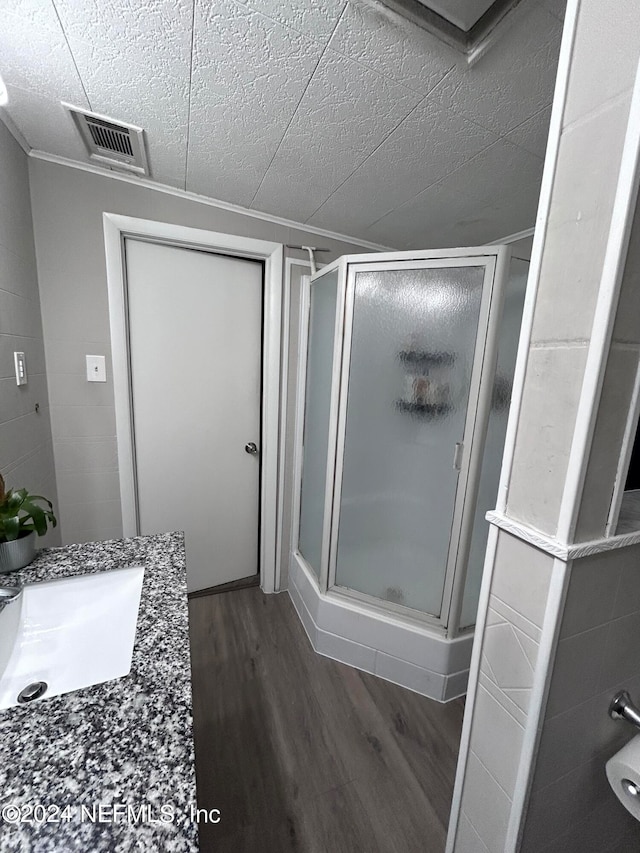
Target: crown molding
{"x":13,"y":130}
{"x":203,"y":199}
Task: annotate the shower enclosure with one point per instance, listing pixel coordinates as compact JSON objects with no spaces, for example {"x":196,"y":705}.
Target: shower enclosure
{"x":404,"y":399}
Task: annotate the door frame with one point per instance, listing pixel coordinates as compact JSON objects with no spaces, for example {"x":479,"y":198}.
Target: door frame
{"x":116,"y":229}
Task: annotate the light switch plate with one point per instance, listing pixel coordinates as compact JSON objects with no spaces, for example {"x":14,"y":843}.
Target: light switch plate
{"x":20,"y":363}
{"x":96,"y":368}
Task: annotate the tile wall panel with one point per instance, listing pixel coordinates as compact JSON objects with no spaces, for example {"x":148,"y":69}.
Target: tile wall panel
{"x":598,"y":654}
{"x":26,"y":452}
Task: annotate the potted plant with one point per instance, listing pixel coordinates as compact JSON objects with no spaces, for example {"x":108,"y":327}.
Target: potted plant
{"x":21,"y":520}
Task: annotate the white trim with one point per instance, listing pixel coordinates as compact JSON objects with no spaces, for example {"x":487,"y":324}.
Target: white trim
{"x":562,"y":550}
{"x":411,"y":255}
{"x":303,"y":345}
{"x":539,"y":237}
{"x":334,"y":413}
{"x":513,"y":238}
{"x":149,"y":184}
{"x":342,"y":357}
{"x":284,"y":394}
{"x":413,"y":656}
{"x":544,"y":206}
{"x":474,"y":676}
{"x":380,"y":605}
{"x":556,"y":597}
{"x":12,"y":127}
{"x":116,"y":227}
{"x":480,"y":389}
{"x":615,"y":257}
{"x":528,"y":534}
{"x":485,"y":360}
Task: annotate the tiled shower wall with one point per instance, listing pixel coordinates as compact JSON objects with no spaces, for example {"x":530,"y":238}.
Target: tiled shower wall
{"x":588,"y":606}
{"x":26,"y":453}
{"x":510,"y":648}
{"x":572,"y":807}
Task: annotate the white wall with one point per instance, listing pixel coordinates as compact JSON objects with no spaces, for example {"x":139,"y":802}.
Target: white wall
{"x":26,"y":455}
{"x":68,"y":204}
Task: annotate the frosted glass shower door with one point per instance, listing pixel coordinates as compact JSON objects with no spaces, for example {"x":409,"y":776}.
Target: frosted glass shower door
{"x":411,"y":372}
{"x":317,"y":412}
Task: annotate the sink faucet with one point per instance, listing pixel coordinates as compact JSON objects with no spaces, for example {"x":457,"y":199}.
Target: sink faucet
{"x":9,"y":594}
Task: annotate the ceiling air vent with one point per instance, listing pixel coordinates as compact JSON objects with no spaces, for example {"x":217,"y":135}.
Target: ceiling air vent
{"x":111,"y":143}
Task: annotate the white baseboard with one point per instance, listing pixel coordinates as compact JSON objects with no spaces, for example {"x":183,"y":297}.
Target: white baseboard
{"x":414,"y":657}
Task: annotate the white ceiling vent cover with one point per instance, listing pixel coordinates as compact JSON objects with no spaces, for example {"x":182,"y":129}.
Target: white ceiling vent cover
{"x":111,"y":143}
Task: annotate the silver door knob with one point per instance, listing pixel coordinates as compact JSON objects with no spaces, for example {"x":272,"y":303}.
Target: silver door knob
{"x":251,"y":448}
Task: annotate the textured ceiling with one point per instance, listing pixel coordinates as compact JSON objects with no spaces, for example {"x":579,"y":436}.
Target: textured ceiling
{"x":334,"y":113}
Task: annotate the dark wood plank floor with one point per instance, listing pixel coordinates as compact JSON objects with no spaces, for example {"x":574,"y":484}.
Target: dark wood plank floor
{"x":304,"y":754}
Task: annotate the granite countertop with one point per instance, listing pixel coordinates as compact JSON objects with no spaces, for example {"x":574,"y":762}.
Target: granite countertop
{"x":127,"y":741}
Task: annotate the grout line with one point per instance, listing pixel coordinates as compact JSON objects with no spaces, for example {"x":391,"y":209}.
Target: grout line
{"x":625,"y":346}
{"x":439,"y":181}
{"x":508,"y":698}
{"x":559,"y":344}
{"x":17,"y":418}
{"x":504,"y":700}
{"x":295,"y":112}
{"x":193,"y":38}
{"x":500,"y":138}
{"x":386,"y":138}
{"x":422,"y":97}
{"x":476,"y":833}
{"x":611,"y":103}
{"x":11,"y":466}
{"x":18,"y":295}
{"x":21,"y":337}
{"x":247,"y":6}
{"x":367,"y":158}
{"x":487,"y":664}
{"x":517,"y":612}
{"x":401,"y":84}
{"x":87,"y":502}
{"x":82,"y":405}
{"x":474,"y":753}
{"x":73,"y":59}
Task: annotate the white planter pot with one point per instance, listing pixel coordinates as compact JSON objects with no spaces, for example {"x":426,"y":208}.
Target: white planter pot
{"x":17,"y":554}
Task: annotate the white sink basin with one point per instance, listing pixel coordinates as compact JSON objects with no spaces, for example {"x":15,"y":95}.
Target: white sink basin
{"x":69,"y":633}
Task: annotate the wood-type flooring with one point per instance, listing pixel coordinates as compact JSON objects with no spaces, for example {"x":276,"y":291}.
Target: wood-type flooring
{"x":302,"y":754}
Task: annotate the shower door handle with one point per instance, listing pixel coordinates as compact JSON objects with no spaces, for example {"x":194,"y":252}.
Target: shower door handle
{"x":457,"y":455}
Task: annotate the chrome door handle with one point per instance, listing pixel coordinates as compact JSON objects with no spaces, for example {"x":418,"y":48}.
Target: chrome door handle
{"x":251,"y":448}
{"x":457,"y":456}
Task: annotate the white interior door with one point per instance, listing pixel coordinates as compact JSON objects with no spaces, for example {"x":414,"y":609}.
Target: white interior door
{"x":195,"y":330}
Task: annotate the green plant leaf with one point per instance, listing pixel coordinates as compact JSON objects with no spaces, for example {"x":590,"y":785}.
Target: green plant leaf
{"x":40,"y":498}
{"x":14,"y":501}
{"x":11,"y":528}
{"x":21,"y":512}
{"x":38,"y":517}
